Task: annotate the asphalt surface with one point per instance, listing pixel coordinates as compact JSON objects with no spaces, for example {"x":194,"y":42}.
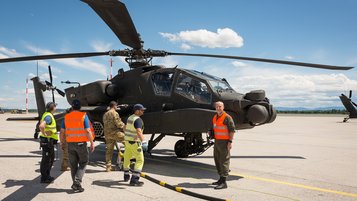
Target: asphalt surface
{"x":294,"y":158}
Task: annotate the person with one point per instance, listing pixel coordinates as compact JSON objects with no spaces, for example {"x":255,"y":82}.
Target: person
{"x":48,"y":138}
{"x":113,"y":132}
{"x":133,"y":140}
{"x":64,"y":158}
{"x":223,"y":128}
{"x":64,"y":163}
{"x":76,"y":131}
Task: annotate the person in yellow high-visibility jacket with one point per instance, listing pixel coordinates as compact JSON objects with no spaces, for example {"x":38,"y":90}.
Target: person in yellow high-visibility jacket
{"x":48,"y":137}
{"x":133,"y":139}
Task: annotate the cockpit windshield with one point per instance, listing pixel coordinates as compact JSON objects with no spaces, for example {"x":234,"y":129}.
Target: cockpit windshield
{"x":216,"y":82}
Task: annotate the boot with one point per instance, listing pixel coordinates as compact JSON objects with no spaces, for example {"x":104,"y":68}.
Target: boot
{"x":109,"y":168}
{"x":222,"y":185}
{"x":126,"y":177}
{"x":64,"y":168}
{"x":135,"y":181}
{"x":218,"y":182}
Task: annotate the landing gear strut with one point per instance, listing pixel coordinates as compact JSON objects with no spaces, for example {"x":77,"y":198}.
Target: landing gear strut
{"x":193,"y":143}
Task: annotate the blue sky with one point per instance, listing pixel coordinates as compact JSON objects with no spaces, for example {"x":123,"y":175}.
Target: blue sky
{"x":316,"y":31}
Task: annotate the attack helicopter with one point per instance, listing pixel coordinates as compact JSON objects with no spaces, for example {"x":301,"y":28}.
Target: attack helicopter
{"x":179,"y":101}
{"x":349,"y":105}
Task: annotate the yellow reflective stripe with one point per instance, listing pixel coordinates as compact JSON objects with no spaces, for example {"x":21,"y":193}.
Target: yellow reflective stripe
{"x":162,"y":183}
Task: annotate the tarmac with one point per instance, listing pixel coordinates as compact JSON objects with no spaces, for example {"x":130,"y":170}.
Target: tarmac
{"x":297,"y":157}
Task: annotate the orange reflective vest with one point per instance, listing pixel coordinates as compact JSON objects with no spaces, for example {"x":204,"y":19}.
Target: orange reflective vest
{"x":220,"y":130}
{"x":75,"y":131}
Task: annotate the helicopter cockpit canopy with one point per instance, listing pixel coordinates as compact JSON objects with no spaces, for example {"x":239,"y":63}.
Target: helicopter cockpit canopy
{"x":217,"y":84}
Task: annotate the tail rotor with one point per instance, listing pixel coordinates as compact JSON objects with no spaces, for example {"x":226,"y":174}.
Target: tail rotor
{"x":49,"y":85}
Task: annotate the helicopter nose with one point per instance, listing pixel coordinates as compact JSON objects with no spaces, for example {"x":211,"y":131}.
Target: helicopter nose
{"x":260,"y":114}
{"x":261,"y":111}
{"x":257,"y":114}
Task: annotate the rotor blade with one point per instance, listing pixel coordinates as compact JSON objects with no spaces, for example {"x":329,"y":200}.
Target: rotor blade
{"x":53,"y":96}
{"x":60,"y":92}
{"x":50,"y":73}
{"x":48,"y":83}
{"x":329,"y":67}
{"x":117,"y":17}
{"x":54,"y":56}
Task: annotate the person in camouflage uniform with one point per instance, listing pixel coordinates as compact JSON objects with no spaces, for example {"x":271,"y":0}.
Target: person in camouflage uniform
{"x":113,"y":132}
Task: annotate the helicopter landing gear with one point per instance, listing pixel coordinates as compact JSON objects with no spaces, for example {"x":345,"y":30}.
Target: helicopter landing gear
{"x":193,"y":143}
{"x":346,"y":119}
{"x":153,"y":142}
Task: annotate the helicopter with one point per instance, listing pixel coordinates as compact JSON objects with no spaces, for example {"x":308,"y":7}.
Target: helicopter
{"x":179,"y":101}
{"x":349,"y":105}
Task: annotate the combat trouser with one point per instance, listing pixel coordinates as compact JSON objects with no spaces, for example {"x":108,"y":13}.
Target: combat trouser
{"x":221,"y":157}
{"x":48,"y":156}
{"x":78,"y":160}
{"x":65,"y":162}
{"x":133,"y":150}
{"x":110,"y":143}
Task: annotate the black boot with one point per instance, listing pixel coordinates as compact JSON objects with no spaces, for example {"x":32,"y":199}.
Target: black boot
{"x":135,"y":181}
{"x":222,"y":185}
{"x":218,"y":182}
{"x":126,"y":176}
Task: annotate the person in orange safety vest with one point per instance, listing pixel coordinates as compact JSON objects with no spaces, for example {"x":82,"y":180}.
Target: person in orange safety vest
{"x":76,"y":131}
{"x":223,"y":128}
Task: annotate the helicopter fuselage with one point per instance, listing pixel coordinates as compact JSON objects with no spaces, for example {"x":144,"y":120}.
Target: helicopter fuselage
{"x":177,"y":100}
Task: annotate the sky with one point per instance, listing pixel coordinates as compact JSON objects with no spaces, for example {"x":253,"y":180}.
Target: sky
{"x":315,"y":31}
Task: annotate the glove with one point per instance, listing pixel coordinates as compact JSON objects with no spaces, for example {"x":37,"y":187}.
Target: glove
{"x":144,"y":146}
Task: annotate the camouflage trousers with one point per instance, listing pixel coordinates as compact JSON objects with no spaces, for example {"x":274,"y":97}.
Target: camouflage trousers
{"x":110,"y":143}
{"x":64,"y":159}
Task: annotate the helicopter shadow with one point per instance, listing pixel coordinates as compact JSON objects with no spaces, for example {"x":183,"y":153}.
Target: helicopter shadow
{"x":168,"y":152}
{"x":181,"y":168}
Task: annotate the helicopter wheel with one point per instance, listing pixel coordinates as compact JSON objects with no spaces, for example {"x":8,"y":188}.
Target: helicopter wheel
{"x":181,"y":149}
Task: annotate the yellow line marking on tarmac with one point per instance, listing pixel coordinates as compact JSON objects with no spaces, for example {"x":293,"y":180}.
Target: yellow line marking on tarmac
{"x":274,"y":181}
{"x":295,"y":185}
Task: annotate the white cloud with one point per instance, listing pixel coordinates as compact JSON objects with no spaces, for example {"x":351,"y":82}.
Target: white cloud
{"x":101,"y":46}
{"x":239,"y":64}
{"x":6,"y":52}
{"x":289,"y":90}
{"x":166,"y":61}
{"x":289,"y":57}
{"x":184,"y":46}
{"x":288,"y":87}
{"x":84,"y":64}
{"x":223,"y":38}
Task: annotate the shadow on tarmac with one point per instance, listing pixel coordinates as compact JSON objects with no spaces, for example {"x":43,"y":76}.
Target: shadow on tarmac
{"x":162,"y":162}
{"x":17,"y":139}
{"x":31,"y":188}
{"x":110,"y":183}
